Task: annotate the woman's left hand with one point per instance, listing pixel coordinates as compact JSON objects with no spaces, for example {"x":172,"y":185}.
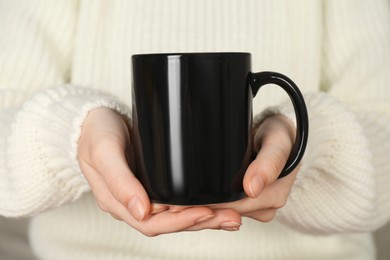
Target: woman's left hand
{"x":273,"y":140}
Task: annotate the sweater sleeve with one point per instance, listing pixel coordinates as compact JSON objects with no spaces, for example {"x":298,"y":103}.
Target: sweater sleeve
{"x":344,"y":181}
{"x":40,"y":169}
{"x":40,"y":114}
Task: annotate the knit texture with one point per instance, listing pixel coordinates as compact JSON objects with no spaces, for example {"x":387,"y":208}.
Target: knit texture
{"x":336,"y":51}
{"x":41,"y":153}
{"x":337,"y":134}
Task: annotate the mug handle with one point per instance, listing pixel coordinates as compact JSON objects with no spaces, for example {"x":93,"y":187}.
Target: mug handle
{"x":259,"y":79}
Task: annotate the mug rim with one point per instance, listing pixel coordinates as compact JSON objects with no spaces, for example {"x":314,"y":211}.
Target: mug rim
{"x":197,"y":54}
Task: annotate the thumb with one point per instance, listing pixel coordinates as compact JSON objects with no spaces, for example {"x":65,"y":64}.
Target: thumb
{"x":103,"y":146}
{"x":276,"y":140}
{"x":264,"y":170}
{"x":124,"y":186}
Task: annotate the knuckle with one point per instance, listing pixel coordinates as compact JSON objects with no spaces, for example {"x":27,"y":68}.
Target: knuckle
{"x":270,"y":169}
{"x":278,"y":160}
{"x":267,"y":217}
{"x":149,"y":233}
{"x":116,"y":216}
{"x":121,"y":191}
{"x":278,"y":200}
{"x":104,"y":203}
{"x":279,"y":203}
{"x":103,"y":206}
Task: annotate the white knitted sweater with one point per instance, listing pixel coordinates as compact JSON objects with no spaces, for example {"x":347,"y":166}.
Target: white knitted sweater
{"x":58,"y":59}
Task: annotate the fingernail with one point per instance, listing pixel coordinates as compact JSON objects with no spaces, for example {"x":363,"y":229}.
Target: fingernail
{"x":136,"y":208}
{"x":204,"y":218}
{"x":230,"y":226}
{"x":255,"y":186}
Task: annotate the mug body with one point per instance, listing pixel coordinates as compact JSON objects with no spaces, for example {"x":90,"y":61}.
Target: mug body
{"x":191,"y":128}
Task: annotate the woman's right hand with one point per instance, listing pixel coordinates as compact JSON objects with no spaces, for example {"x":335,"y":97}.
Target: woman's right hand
{"x":102,"y":158}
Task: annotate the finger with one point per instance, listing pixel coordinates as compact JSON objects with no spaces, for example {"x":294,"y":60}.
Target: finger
{"x":264,"y":170}
{"x":275,"y":149}
{"x":175,"y":209}
{"x":160,"y":223}
{"x":103,"y":196}
{"x":102,"y":146}
{"x":266,"y":215}
{"x":246,"y":205}
{"x":273,"y":196}
{"x":116,"y":217}
{"x":168,"y":222}
{"x":121,"y":182}
{"x":157,"y":208}
{"x":226,"y":219}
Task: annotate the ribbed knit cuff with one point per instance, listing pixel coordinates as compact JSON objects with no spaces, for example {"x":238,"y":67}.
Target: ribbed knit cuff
{"x":335,"y":190}
{"x":42,"y":148}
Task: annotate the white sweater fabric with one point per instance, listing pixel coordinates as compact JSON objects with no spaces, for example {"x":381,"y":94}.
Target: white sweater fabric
{"x":61,"y":59}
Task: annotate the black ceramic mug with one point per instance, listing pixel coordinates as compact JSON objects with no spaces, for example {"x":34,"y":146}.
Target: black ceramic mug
{"x":192,"y":122}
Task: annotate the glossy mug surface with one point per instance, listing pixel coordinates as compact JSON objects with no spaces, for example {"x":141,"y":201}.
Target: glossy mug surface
{"x":192,"y":122}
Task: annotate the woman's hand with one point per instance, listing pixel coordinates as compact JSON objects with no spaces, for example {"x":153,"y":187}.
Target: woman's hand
{"x":273,"y":139}
{"x":102,"y":158}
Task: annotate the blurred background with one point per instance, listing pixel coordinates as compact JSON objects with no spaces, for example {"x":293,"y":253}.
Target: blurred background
{"x":14,"y":241}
